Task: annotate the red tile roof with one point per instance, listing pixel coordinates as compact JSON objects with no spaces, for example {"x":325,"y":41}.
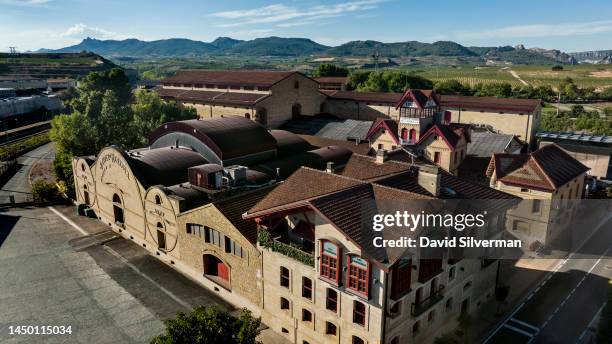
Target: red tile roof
{"x":318,"y":141}
{"x":212,"y":97}
{"x":228,"y":77}
{"x":419,"y":97}
{"x":384,"y":123}
{"x":369,"y":97}
{"x":348,"y":204}
{"x":233,"y":208}
{"x":548,"y":168}
{"x":490,"y":103}
{"x":450,"y":133}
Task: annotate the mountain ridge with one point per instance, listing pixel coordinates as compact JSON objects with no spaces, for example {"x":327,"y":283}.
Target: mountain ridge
{"x":300,"y":47}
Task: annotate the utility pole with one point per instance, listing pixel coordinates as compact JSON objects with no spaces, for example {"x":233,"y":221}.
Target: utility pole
{"x":13,"y":50}
{"x":376,"y":56}
{"x":558,"y":101}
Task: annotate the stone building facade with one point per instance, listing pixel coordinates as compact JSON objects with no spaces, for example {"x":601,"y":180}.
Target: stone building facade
{"x":268,"y":97}
{"x":551,"y":180}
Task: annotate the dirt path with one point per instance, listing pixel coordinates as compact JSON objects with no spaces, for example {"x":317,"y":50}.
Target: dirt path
{"x":517,"y":77}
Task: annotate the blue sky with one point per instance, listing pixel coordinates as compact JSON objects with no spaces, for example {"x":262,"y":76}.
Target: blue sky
{"x":566,"y":25}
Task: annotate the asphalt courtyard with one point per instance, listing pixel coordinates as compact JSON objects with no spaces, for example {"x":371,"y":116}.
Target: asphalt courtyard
{"x":107,"y":289}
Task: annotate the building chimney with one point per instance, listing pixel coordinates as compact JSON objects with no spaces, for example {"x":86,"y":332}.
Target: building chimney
{"x":381,"y":156}
{"x":429,"y":179}
{"x":330,"y":167}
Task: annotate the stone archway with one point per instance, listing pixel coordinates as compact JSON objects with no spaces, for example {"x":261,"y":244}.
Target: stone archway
{"x":216,"y":270}
{"x":118,"y":210}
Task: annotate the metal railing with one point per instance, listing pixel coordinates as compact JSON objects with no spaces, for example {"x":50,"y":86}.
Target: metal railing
{"x":422,"y":306}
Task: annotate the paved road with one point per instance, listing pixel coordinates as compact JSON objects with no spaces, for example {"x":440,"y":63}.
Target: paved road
{"x":46,"y":282}
{"x":19,"y":185}
{"x":563,"y":306}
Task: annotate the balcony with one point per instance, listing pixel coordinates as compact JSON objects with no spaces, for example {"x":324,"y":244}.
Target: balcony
{"x":424,"y":305}
{"x":289,"y":244}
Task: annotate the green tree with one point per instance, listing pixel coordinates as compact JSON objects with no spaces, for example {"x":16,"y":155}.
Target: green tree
{"x":209,"y":325}
{"x":105,"y":113}
{"x":451,"y":87}
{"x":356,"y":79}
{"x":114,"y":80}
{"x":502,"y":90}
{"x":606,"y":93}
{"x":374,"y":83}
{"x":149,"y":112}
{"x":329,"y":69}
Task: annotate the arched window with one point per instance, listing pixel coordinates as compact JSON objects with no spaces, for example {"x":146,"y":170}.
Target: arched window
{"x":247,"y":115}
{"x":82,"y":167}
{"x":405,"y":134}
{"x":284,"y":277}
{"x":296,"y":84}
{"x":118,"y":209}
{"x":85,"y":194}
{"x":284,"y":303}
{"x":261,"y":116}
{"x":296,"y":110}
{"x":359,"y":313}
{"x":158,"y":199}
{"x":330,"y":262}
{"x":216,"y":270}
{"x":357,"y":340}
{"x":161,"y":236}
{"x":358,"y":277}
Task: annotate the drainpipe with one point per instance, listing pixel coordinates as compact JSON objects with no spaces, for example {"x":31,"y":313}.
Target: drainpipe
{"x":527,"y":137}
{"x":384,"y":310}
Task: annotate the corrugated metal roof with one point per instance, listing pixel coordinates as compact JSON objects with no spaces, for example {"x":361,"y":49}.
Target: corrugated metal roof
{"x":484,"y":144}
{"x":575,"y":136}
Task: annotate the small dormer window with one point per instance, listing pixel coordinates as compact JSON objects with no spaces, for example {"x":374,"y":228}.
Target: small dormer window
{"x":358,"y":277}
{"x":330,"y":262}
{"x":296,"y":84}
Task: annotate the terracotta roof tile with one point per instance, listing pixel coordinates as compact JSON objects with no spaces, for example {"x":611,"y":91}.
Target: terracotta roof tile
{"x":365,"y":167}
{"x":233,"y":208}
{"x":490,"y":103}
{"x":228,"y":77}
{"x":317,"y":141}
{"x":370,"y":97}
{"x":305,"y":183}
{"x":547,"y":168}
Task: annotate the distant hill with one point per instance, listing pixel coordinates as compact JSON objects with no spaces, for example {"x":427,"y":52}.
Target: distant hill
{"x":277,"y":46}
{"x":137,"y":48}
{"x":53,"y":65}
{"x":225,"y":42}
{"x":412,"y":48}
{"x":285,"y":47}
{"x":597,"y":56}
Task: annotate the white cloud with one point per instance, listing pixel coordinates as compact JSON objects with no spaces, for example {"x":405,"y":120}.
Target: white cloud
{"x":25,"y":2}
{"x":80,"y":31}
{"x":539,"y":30}
{"x":282,"y":14}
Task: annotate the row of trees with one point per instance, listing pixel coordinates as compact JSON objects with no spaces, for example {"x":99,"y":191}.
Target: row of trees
{"x":399,"y":81}
{"x":579,"y":119}
{"x":105,"y":111}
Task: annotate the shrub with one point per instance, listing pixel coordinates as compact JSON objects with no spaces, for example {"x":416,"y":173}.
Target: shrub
{"x":43,"y":191}
{"x":206,"y":325}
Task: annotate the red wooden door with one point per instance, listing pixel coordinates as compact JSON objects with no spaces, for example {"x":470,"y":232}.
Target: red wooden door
{"x":412,"y":135}
{"x":405,"y":134}
{"x":222,"y":271}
